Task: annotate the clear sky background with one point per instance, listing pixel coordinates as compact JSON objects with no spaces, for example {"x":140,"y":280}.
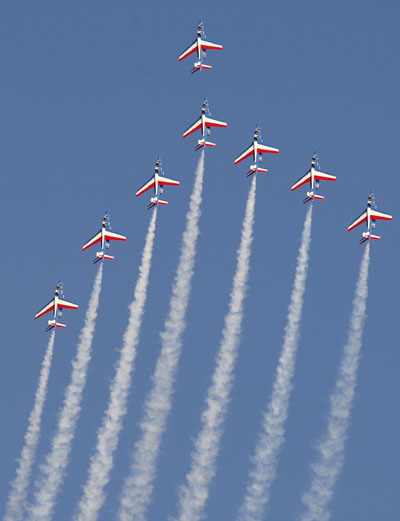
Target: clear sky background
{"x":91,"y":93}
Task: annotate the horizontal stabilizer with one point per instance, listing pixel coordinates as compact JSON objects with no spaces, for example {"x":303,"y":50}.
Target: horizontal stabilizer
{"x":53,"y":324}
{"x":101,"y":255}
{"x":367,"y":235}
{"x":255,"y":169}
{"x":154,"y":201}
{"x":311,"y":196}
{"x":198,"y":66}
{"x":203,"y":143}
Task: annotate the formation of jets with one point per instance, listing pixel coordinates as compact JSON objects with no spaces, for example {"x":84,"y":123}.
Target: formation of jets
{"x":158,"y":181}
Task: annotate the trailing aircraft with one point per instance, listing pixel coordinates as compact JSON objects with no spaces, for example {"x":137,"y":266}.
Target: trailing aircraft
{"x":369,"y":216}
{"x":313,"y":176}
{"x":256,"y":149}
{"x":105,"y":235}
{"x":200,"y":45}
{"x":56,"y":304}
{"x":157,"y":181}
{"x":204,"y":123}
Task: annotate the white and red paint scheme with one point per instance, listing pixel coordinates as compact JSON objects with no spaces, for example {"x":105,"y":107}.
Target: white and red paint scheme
{"x":203,"y":124}
{"x":104,"y":236}
{"x":369,"y":216}
{"x":157,"y":181}
{"x":256,"y":149}
{"x":57,"y":304}
{"x":200,"y":45}
{"x":313,"y":176}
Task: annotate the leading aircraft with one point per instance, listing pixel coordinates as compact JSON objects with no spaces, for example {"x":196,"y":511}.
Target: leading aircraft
{"x":157,"y":181}
{"x":200,"y":45}
{"x":256,"y":149}
{"x":313,"y":176}
{"x":204,"y":123}
{"x":370,"y":216}
{"x":57,"y":304}
{"x":105,"y":235}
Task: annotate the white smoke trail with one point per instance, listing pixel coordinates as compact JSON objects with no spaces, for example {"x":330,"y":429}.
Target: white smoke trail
{"x":53,"y":469}
{"x":19,"y":487}
{"x":138,"y":485}
{"x":265,"y":459}
{"x":107,"y":438}
{"x":330,"y":457}
{"x":193,"y":495}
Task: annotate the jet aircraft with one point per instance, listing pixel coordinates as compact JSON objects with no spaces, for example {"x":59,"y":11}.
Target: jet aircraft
{"x":256,"y":149}
{"x":204,"y":123}
{"x":57,"y":304}
{"x":313,"y":176}
{"x":157,"y":181}
{"x":200,"y":45}
{"x":105,"y":235}
{"x":370,"y":216}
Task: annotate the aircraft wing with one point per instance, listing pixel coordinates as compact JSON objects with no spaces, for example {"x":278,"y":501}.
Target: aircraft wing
{"x":48,"y":307}
{"x":192,"y":128}
{"x":167,"y":181}
{"x":262,"y":149}
{"x":379,"y":215}
{"x":324,"y":176}
{"x":214,"y":123}
{"x":248,"y":152}
{"x":358,"y":221}
{"x":150,"y":183}
{"x":302,"y":181}
{"x":94,"y":240}
{"x":190,"y":50}
{"x":66,"y":305}
{"x":112,"y":236}
{"x":205,"y":44}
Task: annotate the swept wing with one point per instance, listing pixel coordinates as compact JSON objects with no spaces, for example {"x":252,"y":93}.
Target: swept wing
{"x":214,"y":122}
{"x":48,"y":307}
{"x":302,"y":181}
{"x":192,"y":128}
{"x":190,"y":50}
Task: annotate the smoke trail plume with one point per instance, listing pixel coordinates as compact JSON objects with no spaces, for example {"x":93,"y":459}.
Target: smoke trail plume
{"x":107,"y":438}
{"x":330,"y":457}
{"x":265,"y":459}
{"x":193,"y":495}
{"x":138,"y":485}
{"x":19,"y":487}
{"x":53,"y":469}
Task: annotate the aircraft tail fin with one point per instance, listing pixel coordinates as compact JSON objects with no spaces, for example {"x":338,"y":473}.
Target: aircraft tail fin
{"x":198,"y":66}
{"x":154,"y":201}
{"x":52,"y":324}
{"x":100,"y":255}
{"x":367,"y":235}
{"x":255,"y":169}
{"x":204,"y":143}
{"x":311,"y":196}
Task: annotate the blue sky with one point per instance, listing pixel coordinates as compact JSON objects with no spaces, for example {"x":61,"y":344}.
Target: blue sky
{"x":91,"y":94}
